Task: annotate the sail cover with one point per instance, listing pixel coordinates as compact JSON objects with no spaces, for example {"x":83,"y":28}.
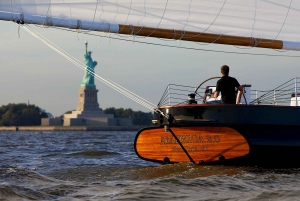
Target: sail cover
{"x":252,"y":20}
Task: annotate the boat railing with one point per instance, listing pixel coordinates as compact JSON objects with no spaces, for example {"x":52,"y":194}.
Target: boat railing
{"x":177,"y":94}
{"x":284,"y":94}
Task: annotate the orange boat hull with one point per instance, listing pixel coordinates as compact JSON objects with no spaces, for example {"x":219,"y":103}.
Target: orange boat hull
{"x":200,"y":144}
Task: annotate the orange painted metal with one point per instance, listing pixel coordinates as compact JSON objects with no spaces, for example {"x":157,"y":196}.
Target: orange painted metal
{"x":203,"y":143}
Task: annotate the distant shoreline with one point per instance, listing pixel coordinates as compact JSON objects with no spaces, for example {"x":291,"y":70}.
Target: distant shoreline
{"x":70,"y":128}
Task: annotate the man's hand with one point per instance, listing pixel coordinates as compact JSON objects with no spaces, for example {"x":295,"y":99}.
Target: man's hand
{"x":215,"y":95}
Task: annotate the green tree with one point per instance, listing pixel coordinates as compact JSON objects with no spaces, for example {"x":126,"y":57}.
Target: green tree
{"x":20,"y":115}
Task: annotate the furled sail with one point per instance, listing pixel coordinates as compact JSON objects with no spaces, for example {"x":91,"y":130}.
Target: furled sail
{"x":257,"y":23}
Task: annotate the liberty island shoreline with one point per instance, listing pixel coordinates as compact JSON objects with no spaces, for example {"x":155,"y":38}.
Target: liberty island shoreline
{"x":70,"y":128}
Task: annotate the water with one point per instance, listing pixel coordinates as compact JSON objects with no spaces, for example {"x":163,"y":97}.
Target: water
{"x":102,"y":165}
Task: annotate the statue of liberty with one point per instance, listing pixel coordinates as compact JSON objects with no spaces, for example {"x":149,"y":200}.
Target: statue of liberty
{"x":88,"y":79}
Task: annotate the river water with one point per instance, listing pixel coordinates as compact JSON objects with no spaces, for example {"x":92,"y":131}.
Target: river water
{"x":102,"y":165}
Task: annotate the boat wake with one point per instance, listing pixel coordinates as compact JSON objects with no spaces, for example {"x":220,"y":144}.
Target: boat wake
{"x":167,"y":182}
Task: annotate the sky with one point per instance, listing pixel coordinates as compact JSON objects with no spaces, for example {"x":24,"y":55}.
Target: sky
{"x":32,"y":72}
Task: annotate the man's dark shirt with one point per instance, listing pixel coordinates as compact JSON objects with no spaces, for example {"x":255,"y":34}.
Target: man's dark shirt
{"x":226,"y":85}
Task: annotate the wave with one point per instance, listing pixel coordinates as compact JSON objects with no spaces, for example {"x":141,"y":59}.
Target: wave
{"x":13,"y":192}
{"x":143,"y":173}
{"x":92,"y":153}
{"x":182,"y":181}
{"x":23,"y":184}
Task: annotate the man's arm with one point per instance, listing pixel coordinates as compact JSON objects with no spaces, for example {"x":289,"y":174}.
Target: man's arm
{"x":215,"y":95}
{"x":240,"y":88}
{"x":217,"y":92}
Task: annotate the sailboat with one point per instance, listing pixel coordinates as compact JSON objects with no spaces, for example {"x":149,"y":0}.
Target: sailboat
{"x":192,"y":130}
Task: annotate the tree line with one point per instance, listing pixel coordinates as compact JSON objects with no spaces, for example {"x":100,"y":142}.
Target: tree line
{"x":21,"y":115}
{"x":139,"y":118}
{"x":30,"y":115}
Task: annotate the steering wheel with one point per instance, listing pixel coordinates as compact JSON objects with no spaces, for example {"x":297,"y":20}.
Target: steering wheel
{"x":204,"y":98}
{"x":204,"y":82}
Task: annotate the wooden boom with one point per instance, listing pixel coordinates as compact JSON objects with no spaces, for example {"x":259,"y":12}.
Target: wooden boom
{"x":200,"y":37}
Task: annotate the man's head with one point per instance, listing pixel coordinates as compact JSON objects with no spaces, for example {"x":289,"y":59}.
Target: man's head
{"x":225,"y":70}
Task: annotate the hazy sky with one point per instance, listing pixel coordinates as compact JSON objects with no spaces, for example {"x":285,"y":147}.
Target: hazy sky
{"x":31,"y":71}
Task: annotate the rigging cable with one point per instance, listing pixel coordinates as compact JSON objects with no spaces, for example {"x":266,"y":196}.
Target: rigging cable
{"x":79,"y":64}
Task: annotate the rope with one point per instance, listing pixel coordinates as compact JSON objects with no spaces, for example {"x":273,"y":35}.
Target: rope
{"x":212,"y":23}
{"x":182,"y":147}
{"x":108,"y":82}
{"x":287,"y":14}
{"x":95,"y":13}
{"x":144,"y":13}
{"x":160,"y":19}
{"x":127,"y":15}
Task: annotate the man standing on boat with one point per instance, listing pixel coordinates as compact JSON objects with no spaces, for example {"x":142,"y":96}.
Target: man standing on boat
{"x":226,"y":85}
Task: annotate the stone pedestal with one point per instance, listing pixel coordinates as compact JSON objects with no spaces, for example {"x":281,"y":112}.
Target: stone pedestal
{"x":88,"y":100}
{"x":88,"y":111}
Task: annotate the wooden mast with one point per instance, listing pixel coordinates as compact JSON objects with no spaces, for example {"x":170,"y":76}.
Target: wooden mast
{"x":200,"y":37}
